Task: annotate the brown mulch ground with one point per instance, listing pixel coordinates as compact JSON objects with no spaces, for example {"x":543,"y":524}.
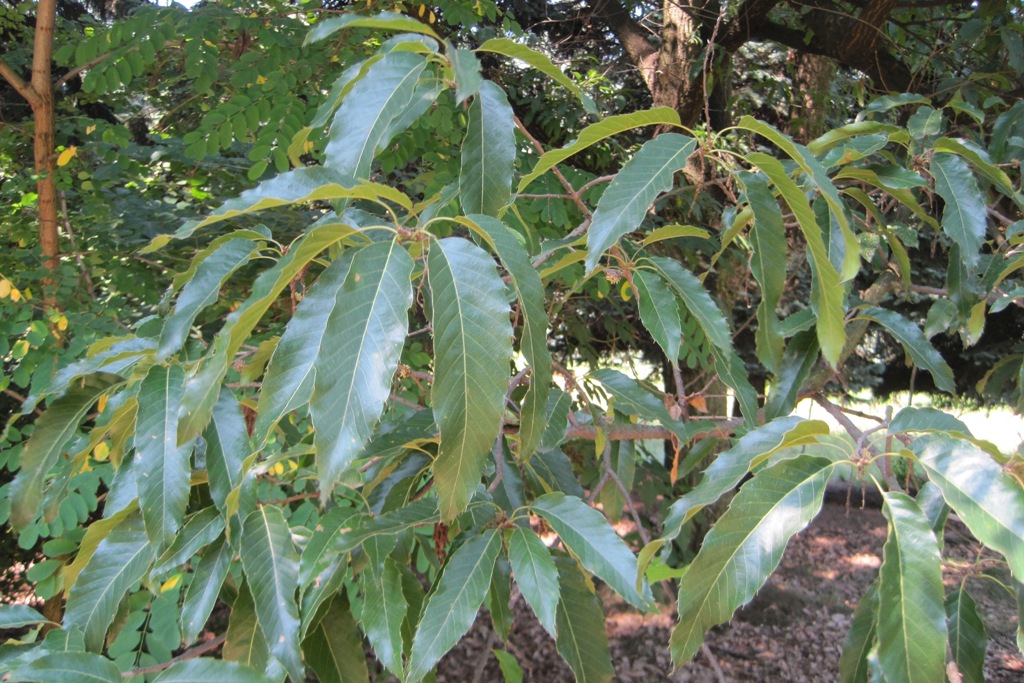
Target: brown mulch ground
{"x":793,"y":630}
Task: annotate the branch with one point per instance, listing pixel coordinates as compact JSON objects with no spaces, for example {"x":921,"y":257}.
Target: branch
{"x":24,"y":88}
{"x":84,"y":67}
{"x":190,"y":653}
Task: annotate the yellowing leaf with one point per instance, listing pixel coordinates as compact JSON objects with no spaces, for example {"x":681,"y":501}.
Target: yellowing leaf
{"x":170,"y":583}
{"x":62,"y":323}
{"x":89,"y":129}
{"x":20,"y":348}
{"x":67,"y":155}
{"x":102,"y":450}
{"x":626,"y":291}
{"x":260,"y":80}
{"x":307,"y":146}
{"x":5,"y":288}
{"x":15,"y":294}
{"x":102,"y":403}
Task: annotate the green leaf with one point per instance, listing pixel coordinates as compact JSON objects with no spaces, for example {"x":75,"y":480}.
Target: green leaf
{"x":498,"y":598}
{"x":797,"y":362}
{"x":202,"y":290}
{"x":631,"y":398}
{"x":61,"y":667}
{"x":300,"y":185}
{"x":322,"y":547}
{"x":115,"y":359}
{"x":826,"y":291}
{"x":912,"y":419}
{"x":419,"y":513}
{"x":452,"y":606}
{"x":53,"y":429}
{"x":511,"y":672}
{"x":367,"y":326}
{"x":19,"y":616}
{"x":534,"y":341}
{"x":288,"y":383}
{"x":988,"y":500}
{"x":385,"y":21}
{"x":466,"y":69}
{"x":488,"y":153}
{"x":384,"y":610}
{"x":964,"y":214}
{"x":624,"y":203}
{"x":163,"y":467}
{"x":245,"y":643}
{"x":592,"y":540}
{"x":203,"y":591}
{"x":209,"y":670}
{"x":668,"y":232}
{"x":535,"y":574}
{"x":582,"y":640}
{"x":767,"y":265}
{"x":372,"y":113}
{"x":473,"y":352}
{"x":596,"y":132}
{"x":203,"y":388}
{"x":227,"y":447}
{"x":915,"y":343}
{"x":703,"y":308}
{"x":980,"y":160}
{"x":120,"y":561}
{"x":816,"y":172}
{"x":201,"y":529}
{"x":911,"y":620}
{"x":333,"y":645}
{"x":729,"y":467}
{"x":1018,"y":588}
{"x":853,"y":664}
{"x":541,"y":62}
{"x":967,"y":637}
{"x":745,"y":546}
{"x":658,"y":312}
{"x":271,"y":566}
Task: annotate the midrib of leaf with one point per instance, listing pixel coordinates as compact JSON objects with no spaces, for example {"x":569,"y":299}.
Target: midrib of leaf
{"x":650,"y":181}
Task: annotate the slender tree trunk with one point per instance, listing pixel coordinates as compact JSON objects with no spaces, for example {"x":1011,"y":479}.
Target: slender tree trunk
{"x":39,"y":94}
{"x":811,"y":84}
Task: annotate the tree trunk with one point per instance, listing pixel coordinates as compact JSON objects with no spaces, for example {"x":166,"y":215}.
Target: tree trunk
{"x":39,"y":94}
{"x":811,"y":82}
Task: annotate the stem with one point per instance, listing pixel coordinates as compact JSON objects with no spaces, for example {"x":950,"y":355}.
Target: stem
{"x":190,"y":653}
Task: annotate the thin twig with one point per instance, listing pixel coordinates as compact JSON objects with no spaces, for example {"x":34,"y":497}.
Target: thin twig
{"x":719,"y":674}
{"x":190,"y":653}
{"x":74,"y":245}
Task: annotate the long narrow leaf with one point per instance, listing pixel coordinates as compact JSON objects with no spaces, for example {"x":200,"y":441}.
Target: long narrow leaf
{"x":827,"y":290}
{"x":452,"y":607}
{"x":488,"y":153}
{"x":987,"y":499}
{"x":473,"y":349}
{"x":534,"y":341}
{"x":853,"y":664}
{"x":121,"y":559}
{"x":202,"y":593}
{"x":384,"y":610}
{"x":162,"y":466}
{"x":582,"y":640}
{"x":916,"y":344}
{"x":541,"y":62}
{"x":596,"y":132}
{"x":964,"y":213}
{"x":535,"y":574}
{"x":967,"y":637}
{"x":366,"y":332}
{"x":588,"y":535}
{"x":288,"y":383}
{"x":365,"y":121}
{"x":912,"y":624}
{"x":53,"y":430}
{"x":333,"y":646}
{"x":745,"y":546}
{"x":61,"y":667}
{"x":271,"y":565}
{"x":624,"y":203}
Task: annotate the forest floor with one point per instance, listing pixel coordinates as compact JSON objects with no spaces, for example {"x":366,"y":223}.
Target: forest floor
{"x":793,"y":631}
